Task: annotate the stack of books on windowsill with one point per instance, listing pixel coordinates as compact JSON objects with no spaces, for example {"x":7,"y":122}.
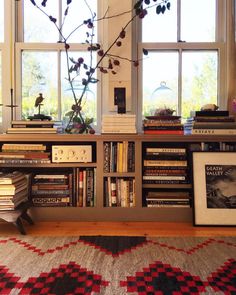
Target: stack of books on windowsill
{"x":214,"y":123}
{"x":32,"y":126}
{"x":119,"y":123}
{"x":163,"y":125}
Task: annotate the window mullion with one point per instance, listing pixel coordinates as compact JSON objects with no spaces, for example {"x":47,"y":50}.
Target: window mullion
{"x":180,"y":82}
{"x":59,"y":84}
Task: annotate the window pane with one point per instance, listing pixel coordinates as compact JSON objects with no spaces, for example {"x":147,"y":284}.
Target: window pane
{"x":39,"y":75}
{"x":37,"y":26}
{"x":161,"y":27}
{"x":199,"y":80}
{"x":160,"y":81}
{"x":89,"y":101}
{"x":198,"y":20}
{"x":78,"y":12}
{"x":1,"y":20}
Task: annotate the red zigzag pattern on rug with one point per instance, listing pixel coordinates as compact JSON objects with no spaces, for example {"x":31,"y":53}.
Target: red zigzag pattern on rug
{"x":164,"y":245}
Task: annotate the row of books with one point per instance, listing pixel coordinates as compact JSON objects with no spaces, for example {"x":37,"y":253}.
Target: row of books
{"x":76,"y":188}
{"x":13,"y":189}
{"x":165,"y":165}
{"x":24,"y":154}
{"x":52,"y":190}
{"x":213,"y":123}
{"x":168,"y":199}
{"x":119,"y":123}
{"x":119,"y":192}
{"x":33,"y":126}
{"x":163,"y":125}
{"x":213,"y":146}
{"x":119,"y":156}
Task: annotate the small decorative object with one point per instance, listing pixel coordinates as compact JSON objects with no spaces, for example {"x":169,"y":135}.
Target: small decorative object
{"x":164,"y":112}
{"x":214,"y":180}
{"x":120,"y":99}
{"x":209,"y":107}
{"x":38,"y":104}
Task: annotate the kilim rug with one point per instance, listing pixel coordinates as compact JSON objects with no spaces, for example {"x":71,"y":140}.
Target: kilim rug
{"x":117,"y":265}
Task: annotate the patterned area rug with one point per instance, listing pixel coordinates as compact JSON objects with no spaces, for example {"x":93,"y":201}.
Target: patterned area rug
{"x":117,"y":265}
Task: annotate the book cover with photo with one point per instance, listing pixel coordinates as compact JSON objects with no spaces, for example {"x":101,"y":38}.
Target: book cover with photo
{"x":220,"y":186}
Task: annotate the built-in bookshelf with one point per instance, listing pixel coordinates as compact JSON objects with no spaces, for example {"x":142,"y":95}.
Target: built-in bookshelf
{"x":116,"y":184}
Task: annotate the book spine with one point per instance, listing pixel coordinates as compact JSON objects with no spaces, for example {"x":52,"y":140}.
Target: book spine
{"x":215,"y":131}
{"x":164,"y":163}
{"x":159,"y":177}
{"x":166,"y":150}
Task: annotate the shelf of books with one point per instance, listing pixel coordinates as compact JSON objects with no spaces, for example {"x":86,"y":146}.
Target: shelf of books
{"x":106,"y":177}
{"x":165,"y":176}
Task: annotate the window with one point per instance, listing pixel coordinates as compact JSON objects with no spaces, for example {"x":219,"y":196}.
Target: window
{"x":1,"y":44}
{"x":42,"y":62}
{"x":186,"y":60}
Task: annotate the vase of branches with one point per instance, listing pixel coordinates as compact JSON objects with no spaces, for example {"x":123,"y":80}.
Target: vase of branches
{"x":106,"y":62}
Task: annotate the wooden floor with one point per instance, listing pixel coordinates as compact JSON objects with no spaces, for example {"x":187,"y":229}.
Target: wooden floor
{"x":116,"y":229}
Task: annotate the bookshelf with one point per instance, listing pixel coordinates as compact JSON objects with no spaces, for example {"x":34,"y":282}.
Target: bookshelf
{"x":101,"y":212}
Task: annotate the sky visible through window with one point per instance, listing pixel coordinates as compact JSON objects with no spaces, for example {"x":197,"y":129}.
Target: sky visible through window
{"x":1,"y":20}
{"x":161,"y":67}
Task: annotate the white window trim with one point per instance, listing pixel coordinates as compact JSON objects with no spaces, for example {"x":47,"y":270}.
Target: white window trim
{"x":55,"y":47}
{"x":222,"y":45}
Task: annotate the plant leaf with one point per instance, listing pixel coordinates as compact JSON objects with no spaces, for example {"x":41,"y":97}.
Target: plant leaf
{"x":33,"y":2}
{"x":44,"y":3}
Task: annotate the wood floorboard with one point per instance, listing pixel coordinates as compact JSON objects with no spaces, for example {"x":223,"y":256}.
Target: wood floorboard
{"x":153,"y":229}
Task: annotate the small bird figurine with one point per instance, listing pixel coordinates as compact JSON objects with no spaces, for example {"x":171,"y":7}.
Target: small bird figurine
{"x":38,"y":101}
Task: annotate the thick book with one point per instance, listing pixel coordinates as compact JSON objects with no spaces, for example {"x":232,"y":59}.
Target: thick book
{"x":214,"y":125}
{"x":31,"y":130}
{"x":165,"y":150}
{"x":215,"y":119}
{"x":223,"y":113}
{"x":177,"y":132}
{"x":161,"y":177}
{"x":11,"y":177}
{"x":23,"y":147}
{"x":214,"y":131}
{"x":24,"y":155}
{"x":164,"y":163}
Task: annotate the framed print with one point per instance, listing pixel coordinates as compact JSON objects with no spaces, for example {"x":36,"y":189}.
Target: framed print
{"x":214,"y":186}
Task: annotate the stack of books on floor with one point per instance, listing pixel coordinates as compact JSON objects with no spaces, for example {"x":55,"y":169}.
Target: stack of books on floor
{"x":14,"y":189}
{"x":168,"y":199}
{"x":165,"y":166}
{"x":163,"y":125}
{"x":52,"y":190}
{"x":32,"y":126}
{"x":214,"y":123}
{"x":119,"y":123}
{"x":12,"y":153}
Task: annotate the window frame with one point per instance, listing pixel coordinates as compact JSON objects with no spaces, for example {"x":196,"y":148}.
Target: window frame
{"x":222,"y":44}
{"x":58,"y":48}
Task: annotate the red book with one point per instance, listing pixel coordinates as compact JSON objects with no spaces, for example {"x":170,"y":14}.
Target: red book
{"x":178,"y":132}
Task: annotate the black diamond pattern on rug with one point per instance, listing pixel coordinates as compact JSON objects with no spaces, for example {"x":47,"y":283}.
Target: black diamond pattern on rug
{"x":225,"y":278}
{"x":66,"y":279}
{"x":7,"y":280}
{"x":114,"y":245}
{"x":163,"y":279}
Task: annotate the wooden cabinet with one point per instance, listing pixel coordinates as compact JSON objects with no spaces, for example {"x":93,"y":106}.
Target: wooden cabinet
{"x":133,"y":173}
